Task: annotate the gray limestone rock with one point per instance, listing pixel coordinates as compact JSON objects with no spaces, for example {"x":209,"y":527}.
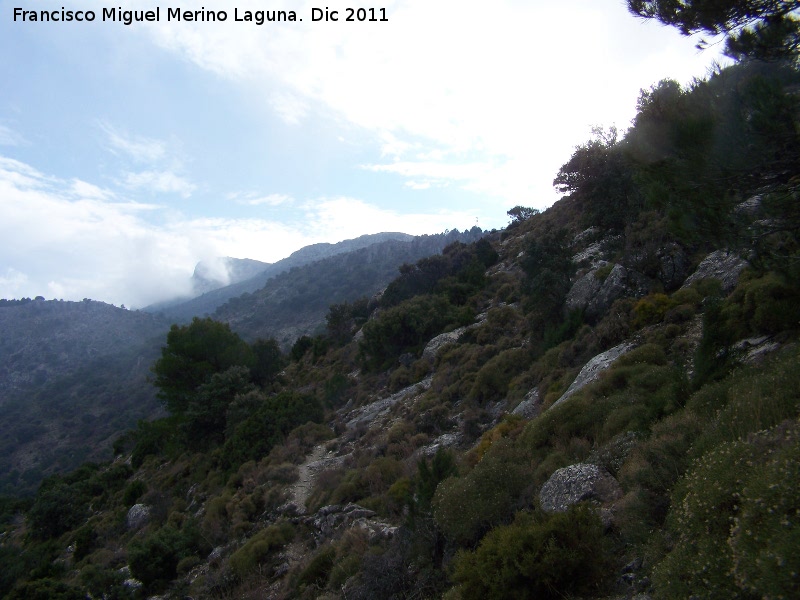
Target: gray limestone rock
{"x":673,"y":266}
{"x":530,"y":406}
{"x":591,"y":370}
{"x":446,"y":440}
{"x":433,"y":347}
{"x":595,"y":295}
{"x":615,"y":286}
{"x":366,"y":415}
{"x":138,"y":516}
{"x":577,"y":483}
{"x":583,"y":290}
{"x":720,"y":264}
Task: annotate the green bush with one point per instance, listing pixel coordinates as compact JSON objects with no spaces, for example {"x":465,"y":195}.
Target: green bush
{"x":407,"y":327}
{"x":154,"y":559}
{"x":267,"y":422}
{"x":765,"y":304}
{"x":491,"y":381}
{"x":733,"y":520}
{"x":317,"y":571}
{"x":765,"y":539}
{"x":260,"y":547}
{"x":536,"y":557}
{"x":466,"y":507}
{"x":651,"y":309}
{"x":46,"y":589}
{"x":56,"y":509}
{"x":133,"y":491}
{"x":750,"y":400}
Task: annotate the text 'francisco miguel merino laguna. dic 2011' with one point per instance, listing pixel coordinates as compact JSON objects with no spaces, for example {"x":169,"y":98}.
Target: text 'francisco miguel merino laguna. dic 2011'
{"x":154,"y":15}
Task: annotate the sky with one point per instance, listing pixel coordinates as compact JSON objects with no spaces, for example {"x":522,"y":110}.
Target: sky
{"x":128,"y":153}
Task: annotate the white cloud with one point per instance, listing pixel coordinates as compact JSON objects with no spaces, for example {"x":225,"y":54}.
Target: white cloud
{"x":9,"y":137}
{"x":11,"y":283}
{"x":82,"y":189}
{"x":513,"y":84}
{"x":289,"y":107}
{"x":160,"y":181}
{"x":71,"y":239}
{"x":339,"y":218}
{"x":255,"y":199}
{"x":139,"y":148}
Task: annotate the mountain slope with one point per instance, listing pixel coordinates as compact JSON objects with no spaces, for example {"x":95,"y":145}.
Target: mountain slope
{"x":73,"y":375}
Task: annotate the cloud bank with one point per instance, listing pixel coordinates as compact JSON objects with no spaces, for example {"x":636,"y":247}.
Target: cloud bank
{"x":71,"y":239}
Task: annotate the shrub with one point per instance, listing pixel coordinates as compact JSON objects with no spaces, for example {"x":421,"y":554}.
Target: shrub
{"x":56,"y":509}
{"x":133,"y":491}
{"x":407,"y":327}
{"x":732,"y":519}
{"x":536,"y":557}
{"x":466,"y":507}
{"x":651,"y":309}
{"x":750,"y":400}
{"x":260,"y":547}
{"x":765,"y":539}
{"x":45,"y":589}
{"x":154,"y":560}
{"x":765,"y":304}
{"x":491,"y":381}
{"x":317,"y":571}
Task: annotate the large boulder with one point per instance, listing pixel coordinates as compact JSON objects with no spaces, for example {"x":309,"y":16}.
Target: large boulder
{"x":591,"y":370}
{"x":138,"y":516}
{"x":577,"y":483}
{"x":530,"y":406}
{"x":673,"y":266}
{"x":432,"y":348}
{"x":720,"y":264}
{"x":594,"y":294}
{"x":584,"y":289}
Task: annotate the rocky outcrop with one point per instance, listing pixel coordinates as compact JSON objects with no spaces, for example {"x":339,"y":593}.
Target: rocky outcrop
{"x":577,"y":483}
{"x":530,"y":406}
{"x":673,"y":266}
{"x":593,"y":252}
{"x":584,"y":289}
{"x":333,"y":518}
{"x":138,"y":516}
{"x":436,"y":344}
{"x":595,"y":295}
{"x":446,"y":440}
{"x":721,"y":264}
{"x":753,"y":349}
{"x":591,"y":370}
{"x":366,"y":415}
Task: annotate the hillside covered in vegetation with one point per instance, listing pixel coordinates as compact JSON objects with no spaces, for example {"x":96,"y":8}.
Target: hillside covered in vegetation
{"x":600,"y":401}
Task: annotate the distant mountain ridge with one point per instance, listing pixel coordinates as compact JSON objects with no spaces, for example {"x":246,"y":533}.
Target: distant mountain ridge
{"x":295,"y":302}
{"x":210,"y":300}
{"x":213,"y":274}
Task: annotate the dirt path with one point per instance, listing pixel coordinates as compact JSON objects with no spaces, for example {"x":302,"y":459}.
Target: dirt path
{"x":306,"y":477}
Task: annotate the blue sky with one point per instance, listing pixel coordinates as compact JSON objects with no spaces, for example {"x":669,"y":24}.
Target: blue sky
{"x":129,"y":153}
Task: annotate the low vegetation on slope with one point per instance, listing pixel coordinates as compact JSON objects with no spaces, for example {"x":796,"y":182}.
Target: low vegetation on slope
{"x":600,"y":401}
